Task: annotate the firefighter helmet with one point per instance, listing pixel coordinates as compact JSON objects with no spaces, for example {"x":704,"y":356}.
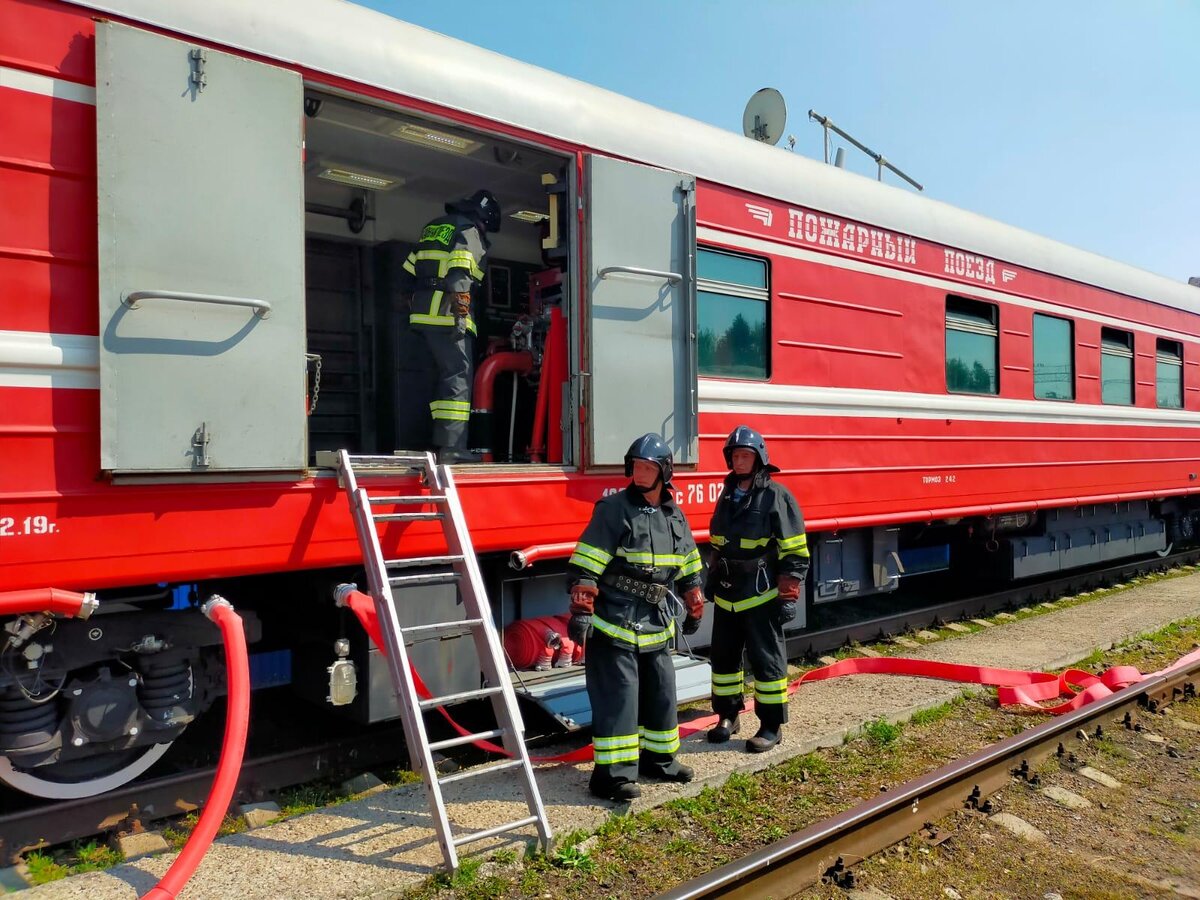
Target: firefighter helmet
{"x":481,"y":205}
{"x":746,"y":437}
{"x":653,"y":448}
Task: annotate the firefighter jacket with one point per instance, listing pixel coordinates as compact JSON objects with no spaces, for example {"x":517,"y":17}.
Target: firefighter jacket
{"x":634,"y":552}
{"x":448,"y":260}
{"x":755,"y":540}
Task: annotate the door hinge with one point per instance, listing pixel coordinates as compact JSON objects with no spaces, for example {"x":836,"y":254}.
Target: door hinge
{"x":199,"y":57}
{"x":200,"y":441}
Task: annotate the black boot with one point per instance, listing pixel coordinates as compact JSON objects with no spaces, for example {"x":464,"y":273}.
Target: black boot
{"x":621,"y":791}
{"x":676,"y":772}
{"x":768,"y":736}
{"x":724,"y":730}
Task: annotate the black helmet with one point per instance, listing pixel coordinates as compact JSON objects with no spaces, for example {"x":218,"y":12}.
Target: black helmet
{"x":653,"y":448}
{"x":481,"y":205}
{"x":747,"y":437}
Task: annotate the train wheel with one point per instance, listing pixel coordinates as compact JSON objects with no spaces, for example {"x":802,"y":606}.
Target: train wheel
{"x":82,"y":778}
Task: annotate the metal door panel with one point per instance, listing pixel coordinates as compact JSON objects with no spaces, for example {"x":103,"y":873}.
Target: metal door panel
{"x":642,"y":299}
{"x":201,"y":216}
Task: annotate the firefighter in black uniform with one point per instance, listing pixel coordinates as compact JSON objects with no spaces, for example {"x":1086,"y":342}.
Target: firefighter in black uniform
{"x":755,"y":578}
{"x":633,"y":564}
{"x":447,"y":263}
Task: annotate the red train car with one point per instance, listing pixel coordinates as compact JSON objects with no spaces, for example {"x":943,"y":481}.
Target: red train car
{"x":205,"y":206}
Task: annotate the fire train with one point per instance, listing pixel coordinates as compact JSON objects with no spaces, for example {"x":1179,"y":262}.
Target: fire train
{"x":204,"y":208}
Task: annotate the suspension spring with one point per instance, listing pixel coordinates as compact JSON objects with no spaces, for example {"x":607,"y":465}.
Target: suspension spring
{"x":21,"y":717}
{"x":165,"y":686}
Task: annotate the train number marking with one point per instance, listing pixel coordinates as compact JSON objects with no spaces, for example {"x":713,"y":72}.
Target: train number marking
{"x":30,"y":526}
{"x":939,"y":478}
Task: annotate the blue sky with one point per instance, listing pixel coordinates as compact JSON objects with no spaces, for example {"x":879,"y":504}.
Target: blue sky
{"x":1076,"y":120}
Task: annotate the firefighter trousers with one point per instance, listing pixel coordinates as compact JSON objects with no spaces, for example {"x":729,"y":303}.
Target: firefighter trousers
{"x":635,"y":725}
{"x":759,"y":633}
{"x":451,"y":349}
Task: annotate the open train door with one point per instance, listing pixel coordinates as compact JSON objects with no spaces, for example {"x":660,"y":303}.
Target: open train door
{"x":201,"y":257}
{"x":641,"y":308}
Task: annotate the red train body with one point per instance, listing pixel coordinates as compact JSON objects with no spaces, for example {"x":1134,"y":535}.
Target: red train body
{"x":862,"y":288}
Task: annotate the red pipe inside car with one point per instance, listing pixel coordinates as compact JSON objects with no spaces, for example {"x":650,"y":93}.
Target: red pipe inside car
{"x":483,"y":397}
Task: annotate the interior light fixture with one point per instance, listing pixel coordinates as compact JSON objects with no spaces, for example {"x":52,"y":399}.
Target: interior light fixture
{"x":371,"y":181}
{"x":529,"y":215}
{"x":439,"y":140}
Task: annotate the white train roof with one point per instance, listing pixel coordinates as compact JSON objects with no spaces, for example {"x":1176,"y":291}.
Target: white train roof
{"x":371,"y":48}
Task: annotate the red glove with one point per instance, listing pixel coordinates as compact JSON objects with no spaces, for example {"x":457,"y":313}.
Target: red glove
{"x":789,"y":587}
{"x":693,"y":602}
{"x":583,"y":599}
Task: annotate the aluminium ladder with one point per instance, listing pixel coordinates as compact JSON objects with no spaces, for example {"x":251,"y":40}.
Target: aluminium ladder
{"x":381,"y":578}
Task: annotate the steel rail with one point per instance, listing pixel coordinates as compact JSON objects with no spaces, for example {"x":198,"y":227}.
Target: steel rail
{"x":141,"y":802}
{"x":825,"y":851}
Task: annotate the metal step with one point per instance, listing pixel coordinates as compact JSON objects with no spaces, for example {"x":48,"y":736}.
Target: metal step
{"x":423,"y":579}
{"x":490,"y":769}
{"x":448,"y":699}
{"x":492,"y":832}
{"x":407,"y":498}
{"x":357,"y":461}
{"x":421,"y":561}
{"x":466,"y":739}
{"x":438,"y":627}
{"x":406,"y":517}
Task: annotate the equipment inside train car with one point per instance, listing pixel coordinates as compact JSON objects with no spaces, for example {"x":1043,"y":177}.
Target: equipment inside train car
{"x":206,"y":329}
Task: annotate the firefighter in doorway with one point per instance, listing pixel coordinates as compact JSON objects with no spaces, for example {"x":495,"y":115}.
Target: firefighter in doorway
{"x":755,"y":579}
{"x":446,"y":264}
{"x":634,"y":565}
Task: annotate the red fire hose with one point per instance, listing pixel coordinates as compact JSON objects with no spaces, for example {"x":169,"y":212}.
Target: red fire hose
{"x":237,"y":718}
{"x":49,"y":600}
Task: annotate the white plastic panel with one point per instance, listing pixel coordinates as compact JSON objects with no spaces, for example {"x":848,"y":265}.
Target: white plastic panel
{"x":201,"y":215}
{"x":641,"y":308}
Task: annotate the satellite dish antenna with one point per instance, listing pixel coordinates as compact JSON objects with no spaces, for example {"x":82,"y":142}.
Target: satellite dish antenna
{"x":765,"y":116}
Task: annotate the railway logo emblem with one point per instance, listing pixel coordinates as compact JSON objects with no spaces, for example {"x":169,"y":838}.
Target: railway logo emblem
{"x":762,"y":213}
{"x":1007,"y":275}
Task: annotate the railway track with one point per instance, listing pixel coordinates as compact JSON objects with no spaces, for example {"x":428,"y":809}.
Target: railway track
{"x":825,"y":851}
{"x":137,"y":804}
{"x":151,"y":799}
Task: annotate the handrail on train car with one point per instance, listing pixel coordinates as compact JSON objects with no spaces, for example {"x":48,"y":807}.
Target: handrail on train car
{"x":262,"y":308}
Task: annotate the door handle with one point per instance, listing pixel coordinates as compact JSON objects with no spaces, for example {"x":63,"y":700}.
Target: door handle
{"x":669,"y":277}
{"x":262,"y":308}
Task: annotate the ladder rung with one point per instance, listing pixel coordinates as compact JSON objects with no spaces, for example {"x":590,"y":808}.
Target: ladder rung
{"x":492,"y":832}
{"x":421,"y":561}
{"x":491,"y":769}
{"x":413,"y":498}
{"x":465,"y":739}
{"x":405,"y":517}
{"x":427,"y":630}
{"x":358,"y":459}
{"x":425,"y":578}
{"x":461,"y":697}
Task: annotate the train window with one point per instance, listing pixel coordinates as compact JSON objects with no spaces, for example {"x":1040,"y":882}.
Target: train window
{"x":972,"y":346}
{"x":1169,"y":364}
{"x":1116,"y":366}
{"x":1053,"y":358}
{"x":732,"y":294}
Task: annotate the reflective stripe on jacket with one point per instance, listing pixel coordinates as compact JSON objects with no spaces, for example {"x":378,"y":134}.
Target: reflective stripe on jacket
{"x":448,"y":260}
{"x":766,"y":523}
{"x":650,"y":543}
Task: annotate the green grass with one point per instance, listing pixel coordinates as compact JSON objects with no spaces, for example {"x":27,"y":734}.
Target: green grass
{"x":43,"y":869}
{"x":881,"y":732}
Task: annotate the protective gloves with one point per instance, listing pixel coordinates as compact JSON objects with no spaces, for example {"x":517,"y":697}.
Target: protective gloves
{"x":789,"y":595}
{"x":583,"y":604}
{"x":693,"y":602}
